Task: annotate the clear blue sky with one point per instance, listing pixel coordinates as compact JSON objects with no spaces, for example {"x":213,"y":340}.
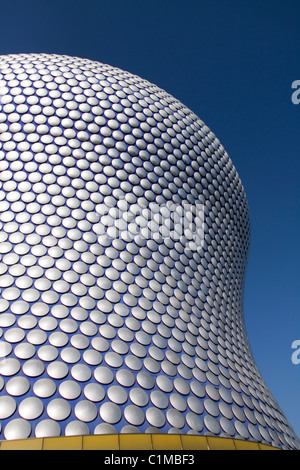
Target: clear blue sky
{"x":232,"y":62}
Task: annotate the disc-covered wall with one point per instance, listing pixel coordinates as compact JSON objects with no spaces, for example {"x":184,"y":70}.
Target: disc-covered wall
{"x":124,"y":233}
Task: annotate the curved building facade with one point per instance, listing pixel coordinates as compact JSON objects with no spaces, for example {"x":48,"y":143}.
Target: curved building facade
{"x":124,"y":236}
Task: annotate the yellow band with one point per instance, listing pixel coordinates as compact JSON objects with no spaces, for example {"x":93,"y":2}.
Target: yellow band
{"x":133,"y":442}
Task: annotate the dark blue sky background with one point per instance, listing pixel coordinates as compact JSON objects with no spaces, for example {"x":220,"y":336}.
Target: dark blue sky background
{"x":232,"y":62}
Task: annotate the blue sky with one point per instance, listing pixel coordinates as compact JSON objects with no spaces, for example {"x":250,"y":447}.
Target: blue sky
{"x":232,"y":62}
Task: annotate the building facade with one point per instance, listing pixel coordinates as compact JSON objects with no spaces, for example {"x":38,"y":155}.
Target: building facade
{"x":124,"y":236}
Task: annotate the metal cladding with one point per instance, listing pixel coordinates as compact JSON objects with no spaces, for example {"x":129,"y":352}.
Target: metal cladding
{"x":124,"y":234}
